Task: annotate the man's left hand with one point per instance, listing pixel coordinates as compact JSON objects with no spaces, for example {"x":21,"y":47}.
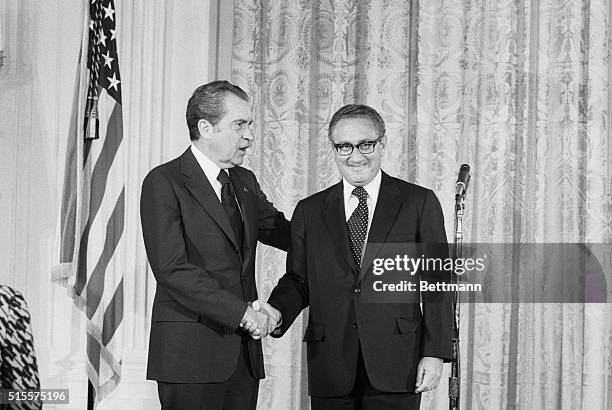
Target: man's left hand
{"x":428,"y":374}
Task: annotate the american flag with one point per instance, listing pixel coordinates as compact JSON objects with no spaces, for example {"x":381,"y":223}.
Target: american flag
{"x":91,"y":249}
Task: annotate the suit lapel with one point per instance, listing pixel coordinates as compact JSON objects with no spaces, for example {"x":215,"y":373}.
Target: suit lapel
{"x":199,"y":186}
{"x":335,"y":220}
{"x":248,"y":211}
{"x":387,"y":208}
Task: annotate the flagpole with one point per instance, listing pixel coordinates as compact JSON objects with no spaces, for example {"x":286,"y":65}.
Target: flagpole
{"x":91,"y":395}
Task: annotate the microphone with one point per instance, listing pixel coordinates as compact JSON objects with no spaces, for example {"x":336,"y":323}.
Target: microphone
{"x":463,"y":181}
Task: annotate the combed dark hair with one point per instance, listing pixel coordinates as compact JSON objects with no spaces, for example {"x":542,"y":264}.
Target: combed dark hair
{"x":357,"y":111}
{"x":207,"y":102}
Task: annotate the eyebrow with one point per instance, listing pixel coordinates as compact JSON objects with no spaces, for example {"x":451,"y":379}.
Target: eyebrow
{"x":348,"y":143}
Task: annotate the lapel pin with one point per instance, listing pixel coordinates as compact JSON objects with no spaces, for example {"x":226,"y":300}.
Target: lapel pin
{"x":245,"y":190}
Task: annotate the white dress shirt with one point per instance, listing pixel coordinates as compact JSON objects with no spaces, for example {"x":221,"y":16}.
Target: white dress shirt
{"x":210,"y":169}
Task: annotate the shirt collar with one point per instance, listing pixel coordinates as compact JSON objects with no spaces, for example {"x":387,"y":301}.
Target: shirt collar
{"x":371,"y":188}
{"x":210,"y":168}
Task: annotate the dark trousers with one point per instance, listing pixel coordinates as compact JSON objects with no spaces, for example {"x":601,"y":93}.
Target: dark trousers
{"x":364,"y":396}
{"x":239,"y":392}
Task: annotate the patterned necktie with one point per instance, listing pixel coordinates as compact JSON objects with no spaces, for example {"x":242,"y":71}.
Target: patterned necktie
{"x":228,"y":200}
{"x":358,"y":225}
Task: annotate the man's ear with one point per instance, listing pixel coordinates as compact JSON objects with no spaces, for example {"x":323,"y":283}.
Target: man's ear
{"x":205,"y":128}
{"x":384,"y":141}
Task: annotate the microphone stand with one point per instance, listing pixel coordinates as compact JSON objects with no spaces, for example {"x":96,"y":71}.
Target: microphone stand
{"x":453,"y":380}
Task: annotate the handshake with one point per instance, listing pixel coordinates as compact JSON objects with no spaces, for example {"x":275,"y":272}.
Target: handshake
{"x":260,"y":319}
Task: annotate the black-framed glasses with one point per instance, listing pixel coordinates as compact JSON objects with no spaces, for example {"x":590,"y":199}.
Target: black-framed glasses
{"x":366,"y":147}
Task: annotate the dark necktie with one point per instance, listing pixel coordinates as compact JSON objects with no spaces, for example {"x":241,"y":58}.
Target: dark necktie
{"x":228,"y":200}
{"x":358,"y":225}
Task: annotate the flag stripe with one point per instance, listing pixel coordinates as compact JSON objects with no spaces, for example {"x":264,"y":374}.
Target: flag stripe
{"x":93,"y":352}
{"x":116,"y":265}
{"x":104,"y":161}
{"x":69,"y":193}
{"x":96,"y":226}
{"x":112,"y":263}
{"x":98,"y":187}
{"x":113,"y":315}
{"x":114,"y":230}
{"x":68,"y":224}
{"x":86,"y":149}
{"x":114,"y":275}
{"x":106,"y":105}
{"x":81,"y":278}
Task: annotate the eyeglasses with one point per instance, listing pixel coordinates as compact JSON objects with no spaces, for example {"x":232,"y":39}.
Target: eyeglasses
{"x":366,"y":147}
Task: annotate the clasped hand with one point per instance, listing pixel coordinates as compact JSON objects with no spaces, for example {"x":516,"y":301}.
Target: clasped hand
{"x":260,"y":319}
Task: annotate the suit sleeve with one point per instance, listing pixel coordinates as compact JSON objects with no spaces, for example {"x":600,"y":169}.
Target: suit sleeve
{"x":273,"y":227}
{"x":437,"y":306}
{"x":188,"y":285}
{"x":291,"y":295}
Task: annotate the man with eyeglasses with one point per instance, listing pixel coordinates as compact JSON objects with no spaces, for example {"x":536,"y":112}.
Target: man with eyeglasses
{"x":362,"y":355}
{"x":202,"y":216}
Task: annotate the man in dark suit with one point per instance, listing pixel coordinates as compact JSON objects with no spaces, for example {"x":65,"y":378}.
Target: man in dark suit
{"x":201,"y":225}
{"x":362,"y":354}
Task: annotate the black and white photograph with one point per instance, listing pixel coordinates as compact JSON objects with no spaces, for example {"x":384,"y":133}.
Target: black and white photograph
{"x":293,"y":205}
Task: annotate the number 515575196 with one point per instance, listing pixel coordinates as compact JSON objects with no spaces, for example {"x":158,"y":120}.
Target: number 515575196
{"x":14,"y":396}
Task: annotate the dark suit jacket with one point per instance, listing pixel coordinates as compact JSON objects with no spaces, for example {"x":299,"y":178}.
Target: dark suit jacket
{"x":204,"y":276}
{"x":321,"y":274}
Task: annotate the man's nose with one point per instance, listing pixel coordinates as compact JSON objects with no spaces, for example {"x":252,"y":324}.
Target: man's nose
{"x":248,"y":134}
{"x":356,"y":155}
